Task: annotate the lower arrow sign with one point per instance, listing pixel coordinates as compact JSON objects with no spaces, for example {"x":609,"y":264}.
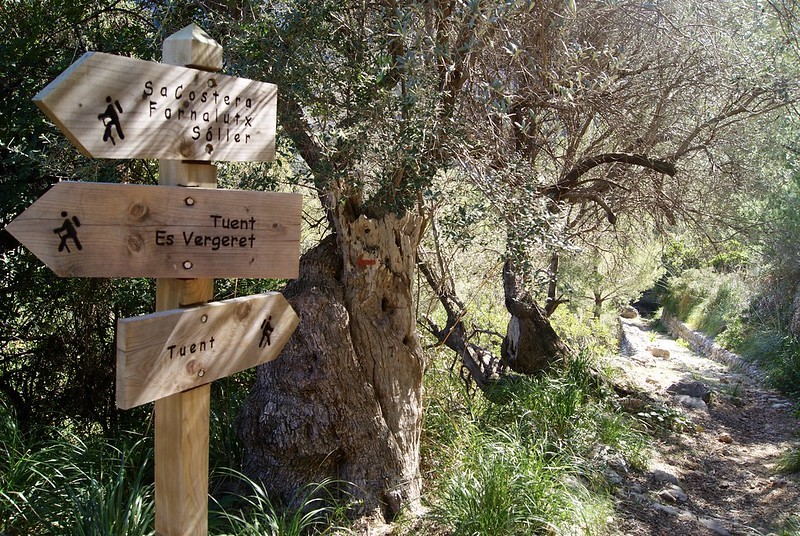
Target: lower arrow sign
{"x":168,"y":352}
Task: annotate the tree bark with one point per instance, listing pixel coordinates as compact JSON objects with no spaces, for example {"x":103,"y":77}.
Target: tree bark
{"x":553,"y":301}
{"x":531,"y":344}
{"x":343,"y":401}
{"x":598,"y":304}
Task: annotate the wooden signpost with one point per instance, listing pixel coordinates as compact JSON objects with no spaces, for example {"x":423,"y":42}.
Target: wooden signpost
{"x":122,"y":230}
{"x":165,"y":353}
{"x":186,"y":115}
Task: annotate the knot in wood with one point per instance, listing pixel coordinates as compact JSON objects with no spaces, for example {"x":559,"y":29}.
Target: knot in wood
{"x":242,"y":310}
{"x":135,"y":243}
{"x":138,"y":211}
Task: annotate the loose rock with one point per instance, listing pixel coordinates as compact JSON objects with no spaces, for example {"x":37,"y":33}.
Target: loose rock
{"x":612,"y":477}
{"x":673,"y":494}
{"x":663,"y":476}
{"x":691,"y":402}
{"x":658,"y":352}
{"x":714,"y":525}
{"x":694,"y":389}
{"x":671,"y":510}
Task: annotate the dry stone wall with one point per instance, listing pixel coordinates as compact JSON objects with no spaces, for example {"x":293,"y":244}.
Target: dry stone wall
{"x":707,"y":347}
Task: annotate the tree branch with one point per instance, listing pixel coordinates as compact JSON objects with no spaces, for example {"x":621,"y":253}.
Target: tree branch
{"x":570,"y":180}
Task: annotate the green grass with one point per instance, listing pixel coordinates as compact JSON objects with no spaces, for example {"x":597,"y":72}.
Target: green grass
{"x":70,"y":487}
{"x":775,"y":352}
{"x":529,"y":465}
{"x":254,"y":513}
{"x":790,"y":462}
{"x":526,"y":466}
{"x":749,"y":322}
{"x":708,"y":301}
{"x":791,"y":527}
{"x":502,"y":485}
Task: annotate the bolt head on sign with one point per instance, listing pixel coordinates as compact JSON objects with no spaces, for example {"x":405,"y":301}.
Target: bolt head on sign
{"x":117,"y":107}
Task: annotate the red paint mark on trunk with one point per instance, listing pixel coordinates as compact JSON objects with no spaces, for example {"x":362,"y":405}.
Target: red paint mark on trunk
{"x":363,"y":263}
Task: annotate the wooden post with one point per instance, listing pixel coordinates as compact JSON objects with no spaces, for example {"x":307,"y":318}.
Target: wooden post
{"x":182,"y":420}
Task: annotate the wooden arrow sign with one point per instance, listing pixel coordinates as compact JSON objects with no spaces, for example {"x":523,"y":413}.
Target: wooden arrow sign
{"x":124,"y":230}
{"x":117,"y":107}
{"x":165,"y":353}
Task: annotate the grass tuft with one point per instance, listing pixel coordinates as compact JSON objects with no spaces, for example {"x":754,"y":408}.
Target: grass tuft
{"x":789,"y":463}
{"x":530,"y":464}
{"x":253,"y":512}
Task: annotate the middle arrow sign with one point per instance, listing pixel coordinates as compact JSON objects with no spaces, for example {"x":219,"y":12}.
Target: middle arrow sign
{"x":123,"y":230}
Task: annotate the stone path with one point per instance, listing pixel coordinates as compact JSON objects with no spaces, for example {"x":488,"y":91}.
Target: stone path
{"x":716,"y":476}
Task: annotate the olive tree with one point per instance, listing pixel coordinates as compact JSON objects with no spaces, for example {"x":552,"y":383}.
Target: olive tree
{"x":579,"y":115}
{"x":563,"y":116}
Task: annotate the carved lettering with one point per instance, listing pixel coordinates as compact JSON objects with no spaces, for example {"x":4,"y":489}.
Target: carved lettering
{"x":191,"y":348}
{"x":213,"y":117}
{"x":230,"y":223}
{"x":192,"y":238}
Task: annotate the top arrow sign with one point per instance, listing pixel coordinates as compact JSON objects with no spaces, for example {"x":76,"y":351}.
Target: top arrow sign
{"x":117,"y":107}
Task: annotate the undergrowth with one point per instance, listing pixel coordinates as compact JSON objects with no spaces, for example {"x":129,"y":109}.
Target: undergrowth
{"x":532,"y":465}
{"x":66,"y":485}
{"x":69,"y":486}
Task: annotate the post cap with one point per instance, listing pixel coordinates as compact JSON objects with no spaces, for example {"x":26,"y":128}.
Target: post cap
{"x":192,"y":47}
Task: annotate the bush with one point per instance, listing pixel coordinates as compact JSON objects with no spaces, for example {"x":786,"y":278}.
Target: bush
{"x":708,"y":301}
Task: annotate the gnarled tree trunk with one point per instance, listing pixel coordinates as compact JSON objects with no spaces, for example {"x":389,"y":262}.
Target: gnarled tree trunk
{"x":344,"y":401}
{"x":531,"y":344}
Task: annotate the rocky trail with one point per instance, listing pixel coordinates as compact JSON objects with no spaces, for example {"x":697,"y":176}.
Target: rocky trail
{"x":715,"y":474}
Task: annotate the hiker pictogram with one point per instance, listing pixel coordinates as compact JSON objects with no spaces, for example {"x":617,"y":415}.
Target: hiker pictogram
{"x":266,"y":331}
{"x":110,"y":119}
{"x":68,"y":231}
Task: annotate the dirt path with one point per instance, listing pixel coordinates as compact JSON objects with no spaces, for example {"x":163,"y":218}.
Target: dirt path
{"x":718,"y":475}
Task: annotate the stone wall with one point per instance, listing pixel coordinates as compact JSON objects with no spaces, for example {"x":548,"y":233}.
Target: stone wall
{"x":706,"y":346}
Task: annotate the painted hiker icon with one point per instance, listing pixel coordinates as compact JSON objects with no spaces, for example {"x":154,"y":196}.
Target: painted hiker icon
{"x":68,"y":231}
{"x":266,"y":331}
{"x":110,"y":118}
